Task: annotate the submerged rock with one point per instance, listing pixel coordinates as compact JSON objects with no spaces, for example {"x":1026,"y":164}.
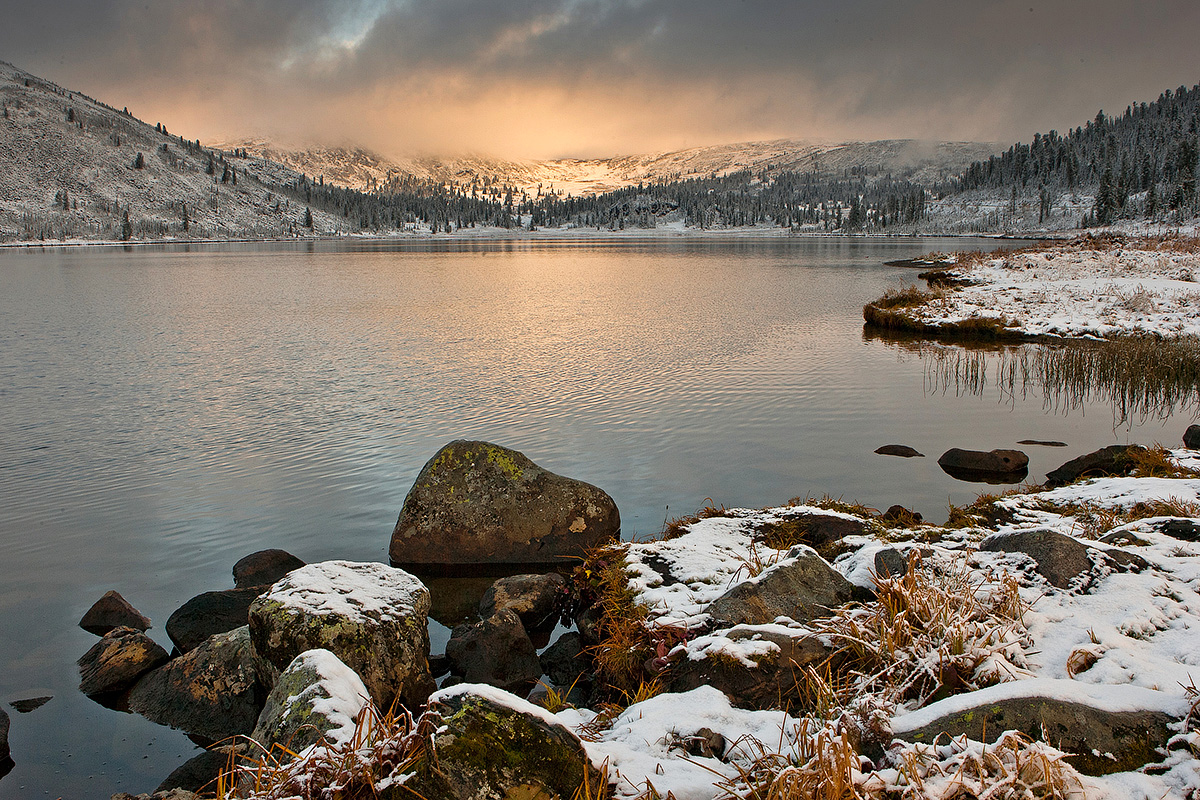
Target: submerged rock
{"x":112,"y":611}
{"x":208,"y":614}
{"x":479,"y":503}
{"x":492,"y":745}
{"x":802,"y":587}
{"x":371,"y":616}
{"x":496,"y":651}
{"x":118,"y":660}
{"x":198,"y":773}
{"x":1102,"y":742}
{"x":1113,"y":460}
{"x":977,"y":466}
{"x":29,"y":704}
{"x":902,"y":450}
{"x":215,"y":691}
{"x":316,"y":698}
{"x":264,"y":568}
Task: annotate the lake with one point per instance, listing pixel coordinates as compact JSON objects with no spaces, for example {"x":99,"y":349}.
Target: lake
{"x":167,"y":410}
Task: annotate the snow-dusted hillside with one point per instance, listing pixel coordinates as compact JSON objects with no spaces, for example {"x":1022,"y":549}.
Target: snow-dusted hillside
{"x":923,"y":162}
{"x":70,"y":169}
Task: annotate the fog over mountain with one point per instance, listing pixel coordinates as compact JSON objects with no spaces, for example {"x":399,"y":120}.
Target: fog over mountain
{"x":546,"y":79}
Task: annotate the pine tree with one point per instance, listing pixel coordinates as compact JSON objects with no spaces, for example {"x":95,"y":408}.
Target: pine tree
{"x":308,"y":218}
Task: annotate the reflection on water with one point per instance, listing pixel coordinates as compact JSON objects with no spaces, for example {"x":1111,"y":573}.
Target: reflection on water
{"x":167,"y":412}
{"x":1139,"y":378}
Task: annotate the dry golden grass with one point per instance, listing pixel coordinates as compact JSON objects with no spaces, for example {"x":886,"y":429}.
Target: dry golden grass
{"x":1094,"y":521}
{"x":678,"y":526}
{"x":905,"y":297}
{"x":1155,"y":462}
{"x":382,"y":746}
{"x":931,"y":632}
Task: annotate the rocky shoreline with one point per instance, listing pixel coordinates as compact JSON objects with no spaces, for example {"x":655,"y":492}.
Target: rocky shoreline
{"x":743,"y":650}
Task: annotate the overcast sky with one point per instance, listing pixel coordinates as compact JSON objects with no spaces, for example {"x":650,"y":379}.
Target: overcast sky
{"x":550,"y":78}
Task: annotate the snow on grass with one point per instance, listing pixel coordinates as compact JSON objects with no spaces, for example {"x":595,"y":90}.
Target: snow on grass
{"x":1076,"y":290}
{"x":357,"y":591}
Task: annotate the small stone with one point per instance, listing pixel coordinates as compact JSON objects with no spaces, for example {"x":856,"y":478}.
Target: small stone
{"x":977,"y":466}
{"x":496,"y":651}
{"x":565,"y":661}
{"x":30,"y":704}
{"x":534,"y":598}
{"x":1042,"y":443}
{"x":890,"y":563}
{"x":118,"y":660}
{"x":210,"y":613}
{"x":4,"y":751}
{"x":264,"y":568}
{"x":1113,"y":460}
{"x":902,"y":450}
{"x":112,"y":611}
{"x":902,"y":516}
{"x":1185,"y":530}
{"x":1191,"y":437}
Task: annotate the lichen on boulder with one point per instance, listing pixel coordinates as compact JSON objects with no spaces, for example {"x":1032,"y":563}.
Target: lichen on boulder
{"x":479,"y":503}
{"x":492,"y":745}
{"x":371,"y":616}
{"x":317,"y":697}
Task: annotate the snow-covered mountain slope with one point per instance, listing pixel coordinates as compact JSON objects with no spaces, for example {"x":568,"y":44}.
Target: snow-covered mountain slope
{"x":74,"y":168}
{"x":362,"y":169}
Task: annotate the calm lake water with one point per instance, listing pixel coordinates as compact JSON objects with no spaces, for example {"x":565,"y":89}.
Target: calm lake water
{"x":167,"y":411}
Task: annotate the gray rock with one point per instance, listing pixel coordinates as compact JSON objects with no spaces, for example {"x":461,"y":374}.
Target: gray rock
{"x":117,"y":661}
{"x":775,"y":681}
{"x":1185,"y":530}
{"x":1107,"y":461}
{"x":565,"y":661}
{"x":890,"y":563}
{"x":371,"y":616}
{"x":208,"y":614}
{"x":1191,"y":437}
{"x":112,"y":611}
{"x":496,"y":651}
{"x":1064,"y":562}
{"x":479,"y":503}
{"x":993,"y":466}
{"x":198,"y":773}
{"x":821,"y":531}
{"x":901,"y":516}
{"x":490,"y":750}
{"x":801,"y":586}
{"x":5,"y":754}
{"x":534,"y":598}
{"x":214,"y":691}
{"x":316,"y":698}
{"x":1103,"y":742}
{"x":902,"y":450}
{"x":264,"y":568}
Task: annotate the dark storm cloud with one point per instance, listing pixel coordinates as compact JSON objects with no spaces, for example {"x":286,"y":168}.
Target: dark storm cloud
{"x":556,"y":76}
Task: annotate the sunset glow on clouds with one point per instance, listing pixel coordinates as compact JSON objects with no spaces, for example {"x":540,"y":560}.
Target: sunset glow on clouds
{"x":549,"y":78}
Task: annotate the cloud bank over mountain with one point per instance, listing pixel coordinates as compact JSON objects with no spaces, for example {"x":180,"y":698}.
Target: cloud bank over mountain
{"x":548,"y":78}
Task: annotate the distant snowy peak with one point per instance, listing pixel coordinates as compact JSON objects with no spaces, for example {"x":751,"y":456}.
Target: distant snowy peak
{"x":362,"y":169}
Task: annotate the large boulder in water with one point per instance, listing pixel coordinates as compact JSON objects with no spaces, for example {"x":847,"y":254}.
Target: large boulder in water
{"x":492,"y":745}
{"x":215,"y":691}
{"x":316,"y":698}
{"x":479,"y":503}
{"x":371,"y":616}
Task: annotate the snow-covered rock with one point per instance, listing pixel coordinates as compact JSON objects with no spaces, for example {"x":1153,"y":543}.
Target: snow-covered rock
{"x":317,"y":697}
{"x":371,"y":616}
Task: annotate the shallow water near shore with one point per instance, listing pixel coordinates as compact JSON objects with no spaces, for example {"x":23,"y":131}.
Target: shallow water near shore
{"x":169,"y":410}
